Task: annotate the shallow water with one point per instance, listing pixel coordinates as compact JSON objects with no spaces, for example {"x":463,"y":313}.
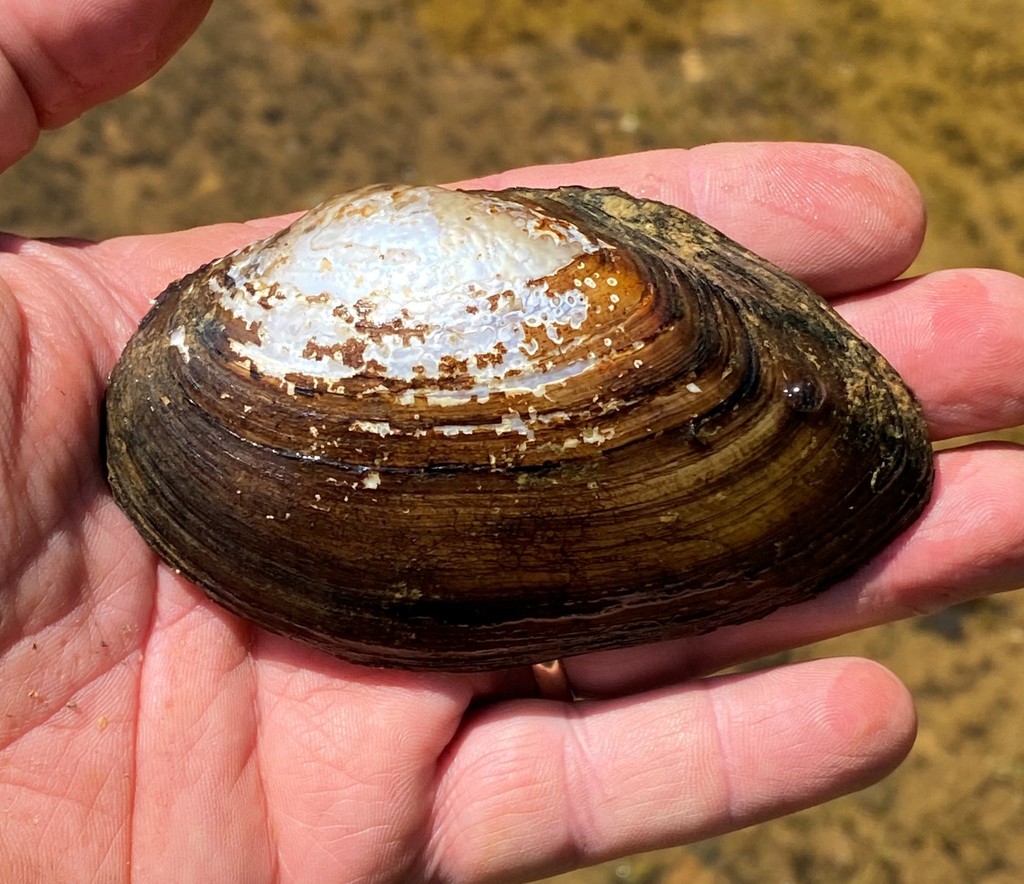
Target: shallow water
{"x":274,"y":105}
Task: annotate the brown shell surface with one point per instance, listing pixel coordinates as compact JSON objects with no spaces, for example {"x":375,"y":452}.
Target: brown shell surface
{"x":732,"y":447}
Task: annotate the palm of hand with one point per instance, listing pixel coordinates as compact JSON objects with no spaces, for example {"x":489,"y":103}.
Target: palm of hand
{"x":158,"y":719}
{"x":146,"y":727}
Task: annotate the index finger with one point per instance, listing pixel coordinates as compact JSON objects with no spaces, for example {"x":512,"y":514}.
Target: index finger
{"x":840,"y":218}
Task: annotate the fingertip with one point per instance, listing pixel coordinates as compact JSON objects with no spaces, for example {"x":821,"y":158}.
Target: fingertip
{"x":805,"y":733}
{"x":840,"y":217}
{"x":21,"y":128}
{"x":854,"y":718}
{"x":65,"y":58}
{"x":871,"y":713}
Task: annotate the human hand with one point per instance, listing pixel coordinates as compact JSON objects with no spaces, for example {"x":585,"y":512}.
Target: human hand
{"x":147,"y":730}
{"x":148,"y":733}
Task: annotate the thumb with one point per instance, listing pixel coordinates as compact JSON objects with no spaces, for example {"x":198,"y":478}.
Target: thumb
{"x":57,"y":60}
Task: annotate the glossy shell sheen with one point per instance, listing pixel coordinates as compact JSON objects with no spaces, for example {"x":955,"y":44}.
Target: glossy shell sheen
{"x":464,"y":430}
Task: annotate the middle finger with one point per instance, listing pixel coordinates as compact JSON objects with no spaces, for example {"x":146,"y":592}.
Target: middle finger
{"x":957,"y":338}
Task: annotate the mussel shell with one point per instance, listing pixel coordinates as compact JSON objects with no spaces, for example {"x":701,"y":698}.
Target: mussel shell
{"x":700,"y":442}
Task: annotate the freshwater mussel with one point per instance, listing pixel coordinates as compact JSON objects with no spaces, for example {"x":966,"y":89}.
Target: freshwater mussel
{"x":452,"y":430}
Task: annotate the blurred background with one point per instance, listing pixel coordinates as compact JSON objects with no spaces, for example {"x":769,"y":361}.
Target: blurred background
{"x":276,"y":104}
